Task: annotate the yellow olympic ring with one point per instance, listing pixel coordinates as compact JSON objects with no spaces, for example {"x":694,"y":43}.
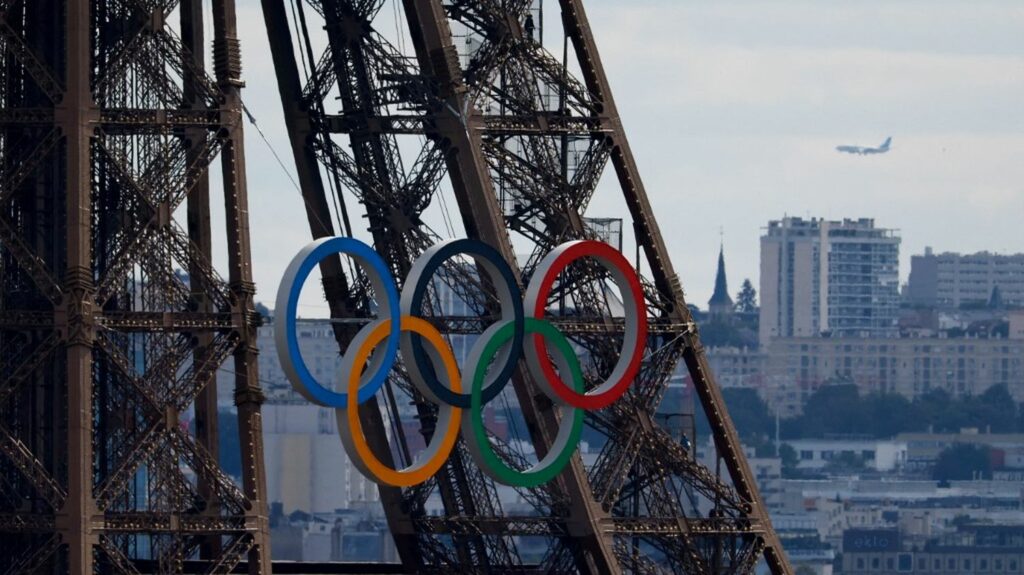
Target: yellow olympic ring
{"x":448,"y":418}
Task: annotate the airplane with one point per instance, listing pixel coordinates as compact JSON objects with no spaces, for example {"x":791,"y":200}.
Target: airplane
{"x":865,"y":151}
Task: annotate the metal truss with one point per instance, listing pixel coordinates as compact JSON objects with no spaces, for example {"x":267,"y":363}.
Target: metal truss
{"x":522,"y":142}
{"x":113,"y":318}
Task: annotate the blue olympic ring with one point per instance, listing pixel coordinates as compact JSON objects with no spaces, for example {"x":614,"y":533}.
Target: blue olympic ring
{"x":287,"y":302}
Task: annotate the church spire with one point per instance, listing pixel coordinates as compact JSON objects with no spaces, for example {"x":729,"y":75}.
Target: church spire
{"x":720,"y":303}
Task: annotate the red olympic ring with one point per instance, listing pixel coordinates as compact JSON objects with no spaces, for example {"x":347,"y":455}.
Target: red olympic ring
{"x":625,"y":277}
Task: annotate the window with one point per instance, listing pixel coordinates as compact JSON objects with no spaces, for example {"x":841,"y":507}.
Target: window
{"x":806,"y":455}
{"x":967,"y":564}
{"x":860,"y":563}
{"x":983,"y":564}
{"x":890,"y":563}
{"x":875,"y":563}
{"x":906,"y":563}
{"x":997,"y":564}
{"x":951,"y":564}
{"x":922,"y":564}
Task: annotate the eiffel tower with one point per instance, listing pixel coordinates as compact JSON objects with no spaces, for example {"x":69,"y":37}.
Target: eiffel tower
{"x":113,"y":318}
{"x":390,"y":107}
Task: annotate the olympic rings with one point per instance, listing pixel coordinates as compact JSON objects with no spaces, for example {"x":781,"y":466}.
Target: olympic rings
{"x":432,"y":367}
{"x":636,"y":321}
{"x":287,"y":301}
{"x":569,"y":428}
{"x":447,"y":427}
{"x":511,"y":310}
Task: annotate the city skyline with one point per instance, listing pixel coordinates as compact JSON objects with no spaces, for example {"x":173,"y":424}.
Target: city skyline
{"x":753,"y":114}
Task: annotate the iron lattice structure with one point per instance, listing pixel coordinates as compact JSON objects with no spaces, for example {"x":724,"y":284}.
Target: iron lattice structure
{"x":113,"y":318}
{"x":521,"y":139}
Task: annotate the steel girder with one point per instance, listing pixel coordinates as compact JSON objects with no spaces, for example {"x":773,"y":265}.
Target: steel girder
{"x":115,"y":320}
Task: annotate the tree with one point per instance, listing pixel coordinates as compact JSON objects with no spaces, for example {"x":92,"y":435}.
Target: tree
{"x":720,"y":334}
{"x":789,"y":460}
{"x":832,"y":409}
{"x":961,"y":462}
{"x":763,"y":446}
{"x":750,"y":415}
{"x":847,"y":461}
{"x":890,"y":414}
{"x":746,"y":299}
{"x":995,"y":410}
{"x":749,"y":412}
{"x":995,"y":301}
{"x":936,"y":408}
{"x":837,"y":409}
{"x":961,"y":520}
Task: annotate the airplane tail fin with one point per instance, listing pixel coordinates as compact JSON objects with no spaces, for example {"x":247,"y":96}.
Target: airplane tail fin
{"x":885,"y":144}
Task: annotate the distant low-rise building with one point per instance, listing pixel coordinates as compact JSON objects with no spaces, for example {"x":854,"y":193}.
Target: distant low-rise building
{"x":919,"y":509}
{"x":952,"y":280}
{"x":873,"y":454}
{"x":737,"y":366}
{"x":972,"y":549}
{"x":923,"y":449}
{"x":907,"y":366}
{"x":342,"y":535}
{"x":1015,"y":329}
{"x":788,"y":370}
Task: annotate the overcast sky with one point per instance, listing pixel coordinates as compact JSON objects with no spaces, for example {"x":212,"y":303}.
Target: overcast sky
{"x":733,"y":109}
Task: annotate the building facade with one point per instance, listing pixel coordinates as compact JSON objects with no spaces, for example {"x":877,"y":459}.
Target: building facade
{"x":923,"y":449}
{"x":908,"y":366}
{"x":875,"y":454}
{"x":972,"y":549}
{"x":952,"y":280}
{"x":307,"y":467}
{"x":836,"y":277}
{"x":786,"y":371}
{"x":738,"y":366}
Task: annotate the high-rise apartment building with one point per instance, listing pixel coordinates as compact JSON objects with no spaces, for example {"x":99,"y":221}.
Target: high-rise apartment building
{"x":951,"y":280}
{"x":828,"y":277}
